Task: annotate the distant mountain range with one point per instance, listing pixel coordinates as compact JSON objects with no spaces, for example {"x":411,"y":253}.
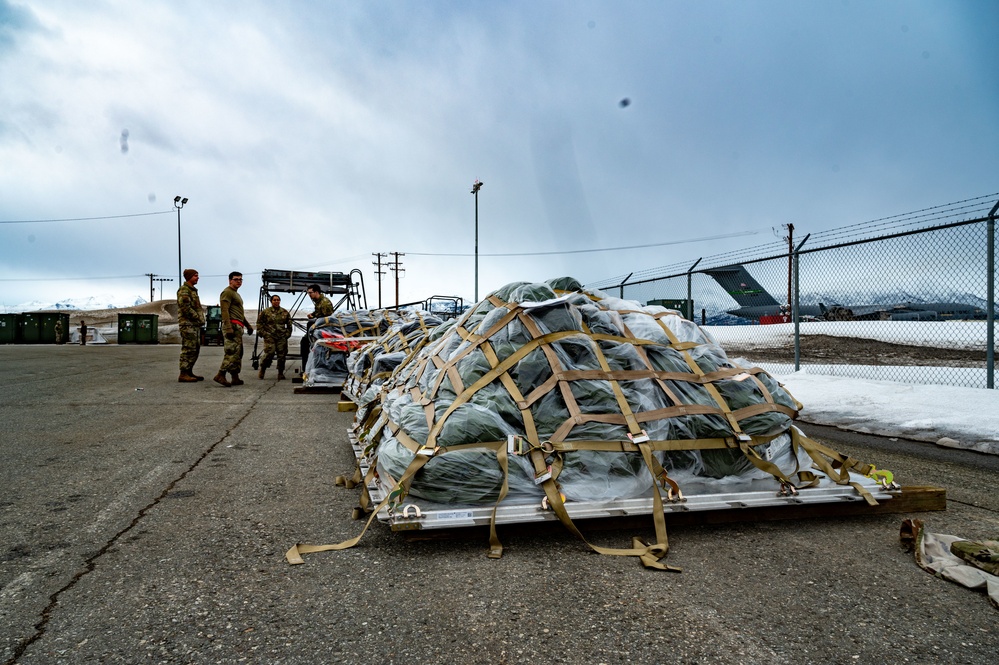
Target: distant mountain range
{"x":83,"y":304}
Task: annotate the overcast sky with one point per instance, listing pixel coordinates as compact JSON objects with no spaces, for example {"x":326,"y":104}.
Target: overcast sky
{"x":309,"y":135}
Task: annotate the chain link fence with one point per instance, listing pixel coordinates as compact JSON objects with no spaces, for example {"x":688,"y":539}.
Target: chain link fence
{"x":906,"y":299}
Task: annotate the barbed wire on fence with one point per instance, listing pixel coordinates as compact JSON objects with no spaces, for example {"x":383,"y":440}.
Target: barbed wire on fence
{"x":965,"y":211}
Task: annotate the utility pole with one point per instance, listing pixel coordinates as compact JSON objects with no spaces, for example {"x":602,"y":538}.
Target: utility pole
{"x":161,"y":280}
{"x":152,"y":293}
{"x":396,"y":267}
{"x":378,"y":273}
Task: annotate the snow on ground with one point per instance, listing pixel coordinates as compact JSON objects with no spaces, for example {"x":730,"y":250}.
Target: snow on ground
{"x":882,"y":401}
{"x":946,"y":415}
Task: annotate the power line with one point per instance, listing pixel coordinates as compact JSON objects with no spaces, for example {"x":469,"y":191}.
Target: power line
{"x":601,"y":249}
{"x":66,"y":279}
{"x":82,"y":219}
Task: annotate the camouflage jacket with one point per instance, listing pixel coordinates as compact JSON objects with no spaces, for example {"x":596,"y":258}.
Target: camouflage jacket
{"x":274,"y":323}
{"x":189,"y":312}
{"x":323,"y":308}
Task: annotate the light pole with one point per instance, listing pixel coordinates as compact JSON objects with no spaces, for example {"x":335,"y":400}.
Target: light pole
{"x":476,"y":186}
{"x":178,"y":203}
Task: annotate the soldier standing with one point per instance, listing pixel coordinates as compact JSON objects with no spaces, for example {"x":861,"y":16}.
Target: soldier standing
{"x":234,"y":324}
{"x":58,"y":331}
{"x":83,"y":333}
{"x":323,"y":306}
{"x":274,"y":324}
{"x":190,"y":318}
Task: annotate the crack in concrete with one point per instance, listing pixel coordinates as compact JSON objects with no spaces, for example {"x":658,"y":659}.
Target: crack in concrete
{"x":90,"y":563}
{"x":972,"y":505}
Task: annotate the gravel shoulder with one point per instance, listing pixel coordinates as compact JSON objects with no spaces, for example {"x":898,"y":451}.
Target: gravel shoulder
{"x":829,"y":349}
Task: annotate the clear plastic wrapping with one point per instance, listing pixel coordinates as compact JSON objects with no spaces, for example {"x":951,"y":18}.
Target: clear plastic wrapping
{"x":552,"y":363}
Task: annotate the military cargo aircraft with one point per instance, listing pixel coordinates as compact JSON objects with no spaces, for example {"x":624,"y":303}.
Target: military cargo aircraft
{"x":758,"y":305}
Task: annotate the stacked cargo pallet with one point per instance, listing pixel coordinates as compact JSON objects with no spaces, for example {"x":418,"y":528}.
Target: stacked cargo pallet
{"x":549,"y":402}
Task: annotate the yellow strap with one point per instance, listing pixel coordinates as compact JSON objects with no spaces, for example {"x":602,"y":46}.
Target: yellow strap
{"x":294,"y":555}
{"x":650,"y":555}
{"x":495,"y":546}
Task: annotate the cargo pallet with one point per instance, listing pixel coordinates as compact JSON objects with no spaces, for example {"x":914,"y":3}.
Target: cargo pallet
{"x":708,"y":508}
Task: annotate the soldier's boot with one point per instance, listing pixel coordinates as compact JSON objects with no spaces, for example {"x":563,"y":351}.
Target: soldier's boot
{"x":196,"y":377}
{"x":235,"y":380}
{"x":280,"y":371}
{"x":186,"y":377}
{"x":260,"y":374}
{"x":221,"y":380}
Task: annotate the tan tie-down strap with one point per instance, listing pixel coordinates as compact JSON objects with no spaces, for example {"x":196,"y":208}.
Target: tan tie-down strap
{"x":545,"y":455}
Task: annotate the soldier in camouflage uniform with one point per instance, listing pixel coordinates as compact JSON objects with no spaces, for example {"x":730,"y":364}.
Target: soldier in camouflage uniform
{"x":190,"y":318}
{"x":323,"y":306}
{"x":234,"y":324}
{"x":274,"y":325}
{"x":58,"y":331}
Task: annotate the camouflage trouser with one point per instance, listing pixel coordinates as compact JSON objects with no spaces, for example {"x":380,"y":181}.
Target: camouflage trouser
{"x":272,"y":347}
{"x":233,"y":360}
{"x":190,"y":347}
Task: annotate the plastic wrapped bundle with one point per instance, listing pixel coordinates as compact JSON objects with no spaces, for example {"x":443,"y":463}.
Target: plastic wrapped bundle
{"x":549,"y":390}
{"x":371,"y":365}
{"x":585,"y":379}
{"x":327,"y":362}
{"x":334,"y":337}
{"x":359,"y":322}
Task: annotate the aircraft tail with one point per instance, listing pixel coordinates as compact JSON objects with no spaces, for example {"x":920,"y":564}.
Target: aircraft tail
{"x":739,"y":284}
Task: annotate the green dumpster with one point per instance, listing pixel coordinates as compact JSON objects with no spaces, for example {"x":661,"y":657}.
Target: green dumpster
{"x":126,"y":328}
{"x":47,"y":334}
{"x":147,"y":328}
{"x":8,"y":328}
{"x":138,"y":328}
{"x":29,"y":327}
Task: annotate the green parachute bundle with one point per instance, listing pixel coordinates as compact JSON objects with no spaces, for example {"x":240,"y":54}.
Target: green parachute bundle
{"x":548,"y":393}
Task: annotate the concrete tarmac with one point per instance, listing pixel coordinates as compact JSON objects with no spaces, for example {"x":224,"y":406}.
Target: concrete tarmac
{"x":145,"y":521}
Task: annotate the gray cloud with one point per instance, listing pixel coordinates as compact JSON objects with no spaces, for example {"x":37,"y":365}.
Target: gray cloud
{"x":14,"y":21}
{"x":313,"y":134}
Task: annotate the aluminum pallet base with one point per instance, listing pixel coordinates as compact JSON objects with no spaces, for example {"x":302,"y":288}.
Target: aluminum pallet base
{"x":418,"y":514}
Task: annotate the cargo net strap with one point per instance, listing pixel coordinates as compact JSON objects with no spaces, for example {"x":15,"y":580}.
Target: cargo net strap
{"x":566,"y":389}
{"x":373,"y":364}
{"x":579,"y":370}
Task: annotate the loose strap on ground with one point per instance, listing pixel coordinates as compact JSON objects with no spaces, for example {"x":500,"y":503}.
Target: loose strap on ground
{"x":294,"y":555}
